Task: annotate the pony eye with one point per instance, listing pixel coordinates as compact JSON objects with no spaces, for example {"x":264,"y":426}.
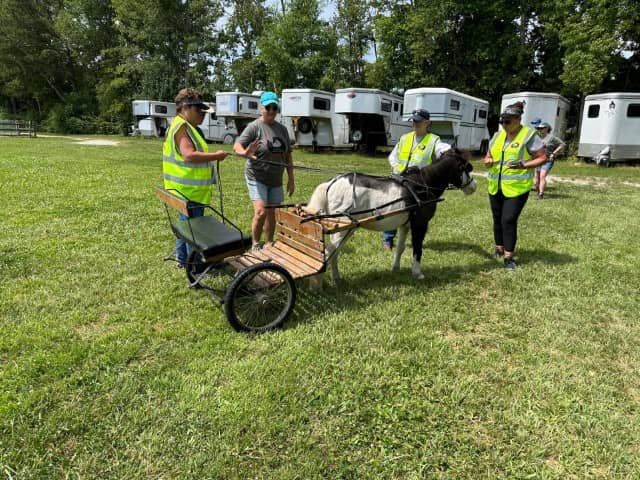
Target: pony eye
{"x":468,"y":168}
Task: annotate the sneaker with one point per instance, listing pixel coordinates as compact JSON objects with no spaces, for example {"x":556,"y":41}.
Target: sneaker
{"x":256,"y":246}
{"x":509,"y":263}
{"x":498,"y":253}
{"x":534,"y":188}
{"x":387,"y":245}
{"x":540,"y":195}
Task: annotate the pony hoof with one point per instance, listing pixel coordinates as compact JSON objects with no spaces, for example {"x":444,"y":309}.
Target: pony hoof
{"x":395,"y":268}
{"x":419,"y":276}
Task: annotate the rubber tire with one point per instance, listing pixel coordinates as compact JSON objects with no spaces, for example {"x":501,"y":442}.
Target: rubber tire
{"x":240,"y":282}
{"x":228,"y":139}
{"x":304,"y":125}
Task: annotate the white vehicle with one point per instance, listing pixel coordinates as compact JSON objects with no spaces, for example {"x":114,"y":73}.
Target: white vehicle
{"x":152,"y":119}
{"x":374,"y":116}
{"x":550,"y":107}
{"x":237,"y":110}
{"x":309,"y":117}
{"x":610,"y":127}
{"x":458,"y":119}
{"x":218,"y":129}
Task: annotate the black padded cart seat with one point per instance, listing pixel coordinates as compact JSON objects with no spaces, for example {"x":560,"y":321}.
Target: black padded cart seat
{"x":211,"y":237}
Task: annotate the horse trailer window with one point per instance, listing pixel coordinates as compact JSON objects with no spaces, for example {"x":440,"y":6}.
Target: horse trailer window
{"x":482,"y":114}
{"x":594,"y":111}
{"x":385,"y":106}
{"x":454,"y":105}
{"x":160,"y":108}
{"x":396,"y":107}
{"x":321,"y":103}
{"x":633,"y":110}
{"x":253,"y":105}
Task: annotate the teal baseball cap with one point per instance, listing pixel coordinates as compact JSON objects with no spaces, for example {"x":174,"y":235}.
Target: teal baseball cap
{"x":267,"y":98}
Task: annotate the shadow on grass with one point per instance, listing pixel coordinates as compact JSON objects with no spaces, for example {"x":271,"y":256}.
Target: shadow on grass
{"x":548,"y":257}
{"x":355,"y":292}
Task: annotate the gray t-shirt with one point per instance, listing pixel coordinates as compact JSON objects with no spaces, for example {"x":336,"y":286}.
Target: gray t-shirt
{"x":551,"y":143}
{"x":272,"y":153}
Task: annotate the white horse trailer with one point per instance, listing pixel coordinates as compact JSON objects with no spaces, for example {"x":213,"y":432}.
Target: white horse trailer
{"x":550,"y":107}
{"x":374,"y":116}
{"x":237,"y":110}
{"x":456,"y":118}
{"x":610,"y":127}
{"x":311,"y":121}
{"x":152,"y":118}
{"x":218,"y":129}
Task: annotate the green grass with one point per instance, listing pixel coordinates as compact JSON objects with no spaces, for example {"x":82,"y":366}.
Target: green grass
{"x":111,"y":368}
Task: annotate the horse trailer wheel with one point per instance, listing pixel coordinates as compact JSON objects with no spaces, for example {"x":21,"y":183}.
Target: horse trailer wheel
{"x":228,"y":139}
{"x":260,"y":298}
{"x":304,"y":125}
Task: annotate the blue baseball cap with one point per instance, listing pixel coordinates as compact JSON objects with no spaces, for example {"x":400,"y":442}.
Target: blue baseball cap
{"x":267,"y":98}
{"x":536,"y":121}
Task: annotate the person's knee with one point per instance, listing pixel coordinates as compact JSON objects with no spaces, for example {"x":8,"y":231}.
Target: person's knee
{"x":260,"y":211}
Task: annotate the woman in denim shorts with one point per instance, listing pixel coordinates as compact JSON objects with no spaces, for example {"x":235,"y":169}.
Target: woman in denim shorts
{"x":265,"y":143}
{"x":553,"y":146}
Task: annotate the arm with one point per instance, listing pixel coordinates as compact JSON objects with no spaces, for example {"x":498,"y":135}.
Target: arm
{"x":291,"y":186}
{"x":393,"y":158}
{"x":440,"y":148}
{"x":189,"y":152}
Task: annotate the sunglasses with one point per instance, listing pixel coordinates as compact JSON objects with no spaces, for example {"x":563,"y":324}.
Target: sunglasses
{"x":271,"y":107}
{"x":505,"y":121}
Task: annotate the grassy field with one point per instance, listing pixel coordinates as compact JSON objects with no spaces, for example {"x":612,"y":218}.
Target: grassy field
{"x":111,"y":368}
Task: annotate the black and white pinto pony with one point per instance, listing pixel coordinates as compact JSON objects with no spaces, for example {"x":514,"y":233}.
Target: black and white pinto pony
{"x":415,"y":193}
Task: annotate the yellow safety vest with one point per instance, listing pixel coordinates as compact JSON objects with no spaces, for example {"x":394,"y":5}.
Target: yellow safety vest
{"x":512,"y":181}
{"x":421,"y":156}
{"x":193,"y":180}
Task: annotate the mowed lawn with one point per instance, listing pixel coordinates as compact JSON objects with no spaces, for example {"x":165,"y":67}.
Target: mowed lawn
{"x":110,"y":367}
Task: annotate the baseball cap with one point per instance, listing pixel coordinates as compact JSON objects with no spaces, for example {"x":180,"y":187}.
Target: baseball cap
{"x":419,"y":115}
{"x":536,"y":121}
{"x":197,"y":102}
{"x":267,"y":98}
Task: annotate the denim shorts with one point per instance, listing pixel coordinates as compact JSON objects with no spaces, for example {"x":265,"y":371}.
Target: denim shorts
{"x":546,"y":166}
{"x":260,"y":191}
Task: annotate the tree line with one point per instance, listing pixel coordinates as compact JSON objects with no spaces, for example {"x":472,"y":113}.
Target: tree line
{"x":76,"y":65}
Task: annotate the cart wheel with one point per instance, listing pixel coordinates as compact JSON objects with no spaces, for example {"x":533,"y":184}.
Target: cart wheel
{"x":260,"y":298}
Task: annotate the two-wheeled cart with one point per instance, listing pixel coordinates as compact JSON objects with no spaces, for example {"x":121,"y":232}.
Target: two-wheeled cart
{"x":262,"y":291}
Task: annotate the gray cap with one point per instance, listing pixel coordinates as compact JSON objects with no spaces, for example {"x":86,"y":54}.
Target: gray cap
{"x":419,"y":115}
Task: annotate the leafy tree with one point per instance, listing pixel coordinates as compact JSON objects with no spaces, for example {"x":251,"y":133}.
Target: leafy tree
{"x":297,"y":47}
{"x":239,"y":65}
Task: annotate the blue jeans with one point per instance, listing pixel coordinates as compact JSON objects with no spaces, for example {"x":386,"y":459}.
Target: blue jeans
{"x":182,"y":248}
{"x":388,"y":236}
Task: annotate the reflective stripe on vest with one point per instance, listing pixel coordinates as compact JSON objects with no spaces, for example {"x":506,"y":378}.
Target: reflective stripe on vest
{"x":421,"y":155}
{"x":193,"y":180}
{"x":512,"y":181}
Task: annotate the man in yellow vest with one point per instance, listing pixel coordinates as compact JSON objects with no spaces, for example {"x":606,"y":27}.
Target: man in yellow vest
{"x":514,"y":152}
{"x":186,"y":161}
{"x":417,"y":148}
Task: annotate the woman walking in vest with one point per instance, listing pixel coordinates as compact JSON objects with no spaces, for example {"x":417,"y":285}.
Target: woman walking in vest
{"x":513,"y":154}
{"x":186,"y":161}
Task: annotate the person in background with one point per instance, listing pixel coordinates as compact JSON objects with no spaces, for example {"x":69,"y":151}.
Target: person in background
{"x":269,"y":141}
{"x":514,"y":151}
{"x":186,"y":161}
{"x":553,"y":146}
{"x":417,"y":148}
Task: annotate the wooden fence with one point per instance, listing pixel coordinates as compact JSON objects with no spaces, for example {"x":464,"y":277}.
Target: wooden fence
{"x":17,"y":128}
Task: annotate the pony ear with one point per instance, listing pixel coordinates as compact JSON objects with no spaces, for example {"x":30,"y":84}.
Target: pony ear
{"x":464,"y":153}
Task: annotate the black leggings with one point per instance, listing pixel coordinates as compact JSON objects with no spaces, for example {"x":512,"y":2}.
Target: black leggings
{"x":505,"y":213}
